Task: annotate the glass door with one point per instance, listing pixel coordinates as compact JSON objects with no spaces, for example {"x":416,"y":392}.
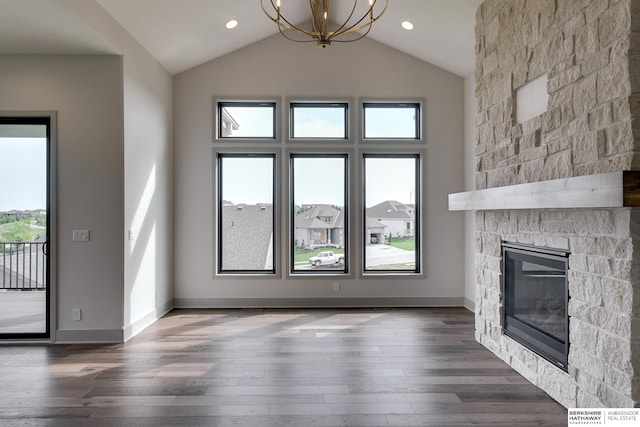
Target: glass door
{"x":24,"y":227}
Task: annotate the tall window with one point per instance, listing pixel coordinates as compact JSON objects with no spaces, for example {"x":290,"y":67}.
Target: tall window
{"x":391,"y":212}
{"x":246,"y":200}
{"x":319,"y":120}
{"x":319,"y":227}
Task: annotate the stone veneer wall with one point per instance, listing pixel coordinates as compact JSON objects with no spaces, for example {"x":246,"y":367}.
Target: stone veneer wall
{"x":588,"y":49}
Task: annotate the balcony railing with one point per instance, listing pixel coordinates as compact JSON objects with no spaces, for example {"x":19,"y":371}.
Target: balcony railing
{"x":22,"y":266}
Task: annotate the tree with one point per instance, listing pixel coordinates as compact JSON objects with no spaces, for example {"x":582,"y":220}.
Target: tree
{"x":16,"y":232}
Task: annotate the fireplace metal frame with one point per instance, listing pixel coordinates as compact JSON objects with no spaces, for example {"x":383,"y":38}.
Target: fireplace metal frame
{"x":536,"y":340}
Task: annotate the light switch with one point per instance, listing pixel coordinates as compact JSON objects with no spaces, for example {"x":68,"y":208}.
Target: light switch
{"x":80,"y":235}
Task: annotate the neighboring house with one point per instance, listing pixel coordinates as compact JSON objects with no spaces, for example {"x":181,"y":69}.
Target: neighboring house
{"x":246,"y":243}
{"x":319,"y":226}
{"x":229,"y":124}
{"x":17,"y":215}
{"x":323,"y":225}
{"x":399,"y":218}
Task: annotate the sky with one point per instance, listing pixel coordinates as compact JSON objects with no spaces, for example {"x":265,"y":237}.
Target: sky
{"x":318,"y":181}
{"x":247,"y":180}
{"x":23,"y":165}
{"x":324,"y":122}
{"x":390,"y":179}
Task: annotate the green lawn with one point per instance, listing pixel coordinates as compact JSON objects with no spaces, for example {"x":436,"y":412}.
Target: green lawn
{"x":301,"y":255}
{"x":406,"y":243}
{"x":19,"y":231}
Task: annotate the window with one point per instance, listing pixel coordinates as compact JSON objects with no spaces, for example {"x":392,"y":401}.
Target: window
{"x":314,"y":186}
{"x":246,"y":200}
{"x":246,"y":120}
{"x":391,"y":212}
{"x":319,"y":213}
{"x":386,"y":120}
{"x":319,"y":120}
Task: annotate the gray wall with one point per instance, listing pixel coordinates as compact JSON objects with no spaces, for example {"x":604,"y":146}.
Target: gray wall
{"x":148,"y":171}
{"x":86,"y":92}
{"x":276,"y":67}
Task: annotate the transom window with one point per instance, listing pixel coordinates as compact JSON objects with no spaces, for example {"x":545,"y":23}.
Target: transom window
{"x":319,"y":120}
{"x":386,"y":120}
{"x":246,"y":120}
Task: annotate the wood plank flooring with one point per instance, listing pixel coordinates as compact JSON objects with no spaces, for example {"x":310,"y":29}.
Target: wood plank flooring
{"x":302,"y":368}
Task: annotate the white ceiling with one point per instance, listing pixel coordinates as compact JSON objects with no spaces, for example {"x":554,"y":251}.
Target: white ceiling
{"x":41,"y":26}
{"x":181,"y":34}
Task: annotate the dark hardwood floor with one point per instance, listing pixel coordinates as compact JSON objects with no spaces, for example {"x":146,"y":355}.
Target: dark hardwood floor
{"x":302,"y":368}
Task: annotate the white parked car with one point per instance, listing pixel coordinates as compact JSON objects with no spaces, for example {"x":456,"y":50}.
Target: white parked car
{"x":326,"y":257}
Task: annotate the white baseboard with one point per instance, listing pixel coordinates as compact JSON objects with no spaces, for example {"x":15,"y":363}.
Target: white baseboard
{"x":317,"y":302}
{"x":470,"y":305}
{"x":141,"y":324}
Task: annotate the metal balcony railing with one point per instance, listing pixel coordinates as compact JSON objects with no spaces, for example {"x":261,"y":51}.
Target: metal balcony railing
{"x":22,"y":266}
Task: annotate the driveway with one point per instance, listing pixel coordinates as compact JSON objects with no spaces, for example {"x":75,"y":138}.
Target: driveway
{"x":377,"y":255}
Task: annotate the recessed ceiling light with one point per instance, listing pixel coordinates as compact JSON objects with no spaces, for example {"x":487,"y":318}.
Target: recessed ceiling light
{"x":407,"y":25}
{"x":231,"y":24}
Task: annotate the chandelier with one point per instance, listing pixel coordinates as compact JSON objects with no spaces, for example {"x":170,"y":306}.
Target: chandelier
{"x":325,"y":28}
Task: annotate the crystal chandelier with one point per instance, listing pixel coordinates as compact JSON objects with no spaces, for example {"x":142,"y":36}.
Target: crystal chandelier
{"x":325,"y":27}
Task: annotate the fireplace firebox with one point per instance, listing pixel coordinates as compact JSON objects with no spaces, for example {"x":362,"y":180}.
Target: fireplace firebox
{"x":536,"y":297}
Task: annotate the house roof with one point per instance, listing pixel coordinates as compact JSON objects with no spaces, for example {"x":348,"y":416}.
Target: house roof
{"x":391,"y":209}
{"x":372,"y":223}
{"x":247,"y":233}
{"x":311,"y":218}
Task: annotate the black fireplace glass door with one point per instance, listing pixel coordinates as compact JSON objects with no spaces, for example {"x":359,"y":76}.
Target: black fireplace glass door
{"x":535,"y":290}
{"x":539,"y":298}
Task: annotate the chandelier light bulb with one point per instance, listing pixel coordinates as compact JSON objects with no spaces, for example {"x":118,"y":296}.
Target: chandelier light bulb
{"x":325,"y":26}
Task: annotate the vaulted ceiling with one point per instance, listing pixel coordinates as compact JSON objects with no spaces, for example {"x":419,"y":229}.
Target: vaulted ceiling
{"x":182,"y":34}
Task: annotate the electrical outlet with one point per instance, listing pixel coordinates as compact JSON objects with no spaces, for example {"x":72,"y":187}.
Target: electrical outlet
{"x":336,"y":286}
{"x":76,"y":314}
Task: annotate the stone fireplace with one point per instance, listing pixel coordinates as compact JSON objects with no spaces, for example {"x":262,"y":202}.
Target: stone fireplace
{"x":601,"y":360}
{"x":558,"y":179}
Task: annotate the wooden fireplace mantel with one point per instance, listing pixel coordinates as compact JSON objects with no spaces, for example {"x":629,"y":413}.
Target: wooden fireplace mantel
{"x":606,"y":190}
